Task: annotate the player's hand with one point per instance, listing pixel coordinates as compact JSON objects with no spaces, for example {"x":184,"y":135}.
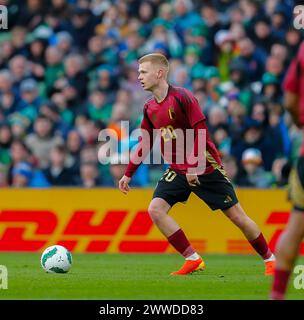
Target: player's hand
{"x":193,"y":180}
{"x":123,"y":184}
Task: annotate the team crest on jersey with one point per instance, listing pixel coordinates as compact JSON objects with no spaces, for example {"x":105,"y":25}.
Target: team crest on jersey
{"x":171,"y":112}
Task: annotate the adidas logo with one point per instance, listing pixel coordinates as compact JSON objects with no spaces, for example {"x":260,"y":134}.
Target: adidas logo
{"x":228,"y":199}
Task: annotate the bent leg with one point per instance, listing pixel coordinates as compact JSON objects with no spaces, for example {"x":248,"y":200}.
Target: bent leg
{"x":238,"y":216}
{"x":252,"y":232}
{"x":158,"y":211}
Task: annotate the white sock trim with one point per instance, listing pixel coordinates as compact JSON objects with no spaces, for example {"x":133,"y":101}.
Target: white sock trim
{"x":272,"y":258}
{"x":193,"y":256}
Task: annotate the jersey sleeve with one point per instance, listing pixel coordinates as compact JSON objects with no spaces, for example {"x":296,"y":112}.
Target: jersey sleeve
{"x":192,"y":108}
{"x":133,"y":164}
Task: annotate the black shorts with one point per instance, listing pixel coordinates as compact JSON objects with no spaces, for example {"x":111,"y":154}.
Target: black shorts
{"x":296,"y":185}
{"x":215,"y":189}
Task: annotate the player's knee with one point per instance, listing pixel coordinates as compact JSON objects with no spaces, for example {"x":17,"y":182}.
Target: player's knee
{"x":156,"y":213}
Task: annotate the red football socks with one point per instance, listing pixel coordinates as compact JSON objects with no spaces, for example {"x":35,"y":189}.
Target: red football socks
{"x":261,"y":247}
{"x":179,"y":241}
{"x":279,"y":285}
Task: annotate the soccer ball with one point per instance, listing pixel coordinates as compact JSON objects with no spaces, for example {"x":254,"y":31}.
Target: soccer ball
{"x":56,"y":259}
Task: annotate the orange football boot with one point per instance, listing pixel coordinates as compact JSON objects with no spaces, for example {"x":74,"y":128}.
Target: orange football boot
{"x":269,"y":268}
{"x":190,"y":266}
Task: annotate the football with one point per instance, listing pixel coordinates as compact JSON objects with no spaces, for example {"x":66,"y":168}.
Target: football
{"x":56,"y":259}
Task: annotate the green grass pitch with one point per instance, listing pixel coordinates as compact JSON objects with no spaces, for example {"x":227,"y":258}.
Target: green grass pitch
{"x":117,"y":276}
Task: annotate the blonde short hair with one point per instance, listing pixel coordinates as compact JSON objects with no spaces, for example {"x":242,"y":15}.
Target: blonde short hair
{"x":155,"y":58}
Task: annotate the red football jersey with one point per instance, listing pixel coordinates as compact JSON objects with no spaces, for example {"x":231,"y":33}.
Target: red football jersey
{"x":172,"y":117}
{"x":294,"y":82}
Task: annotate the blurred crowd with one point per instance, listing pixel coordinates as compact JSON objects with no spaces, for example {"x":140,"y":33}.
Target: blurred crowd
{"x":68,"y":69}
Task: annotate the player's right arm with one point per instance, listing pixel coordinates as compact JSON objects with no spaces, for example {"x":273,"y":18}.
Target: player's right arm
{"x":143,"y":149}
